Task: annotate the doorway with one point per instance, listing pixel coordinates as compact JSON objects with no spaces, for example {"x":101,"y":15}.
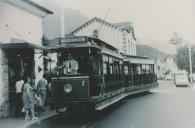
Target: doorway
{"x":20,"y":63}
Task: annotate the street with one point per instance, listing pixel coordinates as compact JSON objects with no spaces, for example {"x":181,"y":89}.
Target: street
{"x":165,"y":107}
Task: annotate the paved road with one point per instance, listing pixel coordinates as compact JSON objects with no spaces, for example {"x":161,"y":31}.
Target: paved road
{"x":165,"y":107}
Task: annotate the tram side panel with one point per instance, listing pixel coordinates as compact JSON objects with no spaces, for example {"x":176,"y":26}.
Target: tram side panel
{"x":97,"y":89}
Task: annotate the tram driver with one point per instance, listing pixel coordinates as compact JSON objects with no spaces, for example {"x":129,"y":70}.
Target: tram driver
{"x":70,"y":66}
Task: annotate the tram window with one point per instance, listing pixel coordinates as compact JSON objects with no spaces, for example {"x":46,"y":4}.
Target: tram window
{"x":152,"y":69}
{"x":86,"y":64}
{"x":143,"y":68}
{"x":126,"y":70}
{"x":110,"y":60}
{"x":89,"y":64}
{"x":147,"y":68}
{"x":114,"y":69}
{"x":105,"y":58}
{"x":105,"y":68}
{"x":117,"y":69}
{"x":121,"y":70}
{"x":138,"y":69}
{"x":93,"y":63}
{"x":51,"y":63}
{"x":131,"y":70}
{"x":111,"y":70}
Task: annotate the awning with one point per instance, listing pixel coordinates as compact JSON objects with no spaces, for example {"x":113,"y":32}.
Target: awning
{"x":21,"y":46}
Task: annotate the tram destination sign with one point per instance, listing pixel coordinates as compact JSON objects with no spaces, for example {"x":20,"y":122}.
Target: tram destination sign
{"x":73,"y":40}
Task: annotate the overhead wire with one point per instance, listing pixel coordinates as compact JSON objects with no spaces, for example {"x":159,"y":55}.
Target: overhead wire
{"x":104,"y":19}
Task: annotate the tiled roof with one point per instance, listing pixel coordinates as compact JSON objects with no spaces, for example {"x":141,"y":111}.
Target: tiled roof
{"x":91,"y":21}
{"x":122,"y":26}
{"x":126,"y":26}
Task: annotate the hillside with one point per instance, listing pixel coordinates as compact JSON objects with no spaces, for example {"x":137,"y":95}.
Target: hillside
{"x":144,"y":50}
{"x":51,"y":23}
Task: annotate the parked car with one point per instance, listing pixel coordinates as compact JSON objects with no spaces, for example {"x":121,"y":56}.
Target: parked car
{"x":181,"y":78}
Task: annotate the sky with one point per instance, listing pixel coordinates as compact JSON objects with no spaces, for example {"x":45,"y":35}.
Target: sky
{"x":153,"y":20}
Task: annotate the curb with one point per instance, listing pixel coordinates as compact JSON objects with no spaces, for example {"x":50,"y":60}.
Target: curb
{"x":21,"y":123}
{"x":46,"y":115}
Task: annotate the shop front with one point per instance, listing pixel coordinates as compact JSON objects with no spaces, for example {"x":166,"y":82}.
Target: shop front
{"x":18,"y":60}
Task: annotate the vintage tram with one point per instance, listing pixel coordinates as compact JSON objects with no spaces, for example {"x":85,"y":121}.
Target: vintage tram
{"x":104,"y":75}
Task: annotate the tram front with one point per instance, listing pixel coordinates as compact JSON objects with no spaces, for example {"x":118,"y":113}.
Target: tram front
{"x":75,"y":77}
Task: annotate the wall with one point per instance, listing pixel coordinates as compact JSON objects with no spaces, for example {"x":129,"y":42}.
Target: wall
{"x":4,"y":90}
{"x":19,"y":24}
{"x":107,"y":34}
{"x":112,"y":36}
{"x":129,"y":46}
{"x":38,"y":64}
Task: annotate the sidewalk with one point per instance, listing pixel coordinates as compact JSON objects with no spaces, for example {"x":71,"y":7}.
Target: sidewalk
{"x":12,"y":122}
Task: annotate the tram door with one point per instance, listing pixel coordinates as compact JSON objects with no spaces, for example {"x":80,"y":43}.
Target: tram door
{"x":20,"y":63}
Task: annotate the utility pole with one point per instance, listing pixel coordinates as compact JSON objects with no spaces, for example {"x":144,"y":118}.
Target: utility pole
{"x":176,"y":40}
{"x":62,"y":25}
{"x":190,"y":62}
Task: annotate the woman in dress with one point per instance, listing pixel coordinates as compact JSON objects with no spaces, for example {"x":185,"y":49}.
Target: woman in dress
{"x":28,"y":99}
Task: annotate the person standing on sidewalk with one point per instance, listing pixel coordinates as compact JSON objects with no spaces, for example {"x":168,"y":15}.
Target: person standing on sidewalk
{"x":18,"y":85}
{"x":28,"y":99}
{"x":42,"y":89}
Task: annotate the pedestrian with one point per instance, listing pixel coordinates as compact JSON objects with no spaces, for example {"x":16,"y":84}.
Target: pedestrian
{"x":28,"y":99}
{"x":42,"y":89}
{"x":18,"y":85}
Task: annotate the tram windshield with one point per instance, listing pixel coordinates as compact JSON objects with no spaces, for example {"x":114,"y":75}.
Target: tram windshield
{"x":74,"y":64}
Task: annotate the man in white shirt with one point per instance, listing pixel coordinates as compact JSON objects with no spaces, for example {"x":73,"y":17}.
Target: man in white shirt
{"x":70,"y":66}
{"x":18,"y":86}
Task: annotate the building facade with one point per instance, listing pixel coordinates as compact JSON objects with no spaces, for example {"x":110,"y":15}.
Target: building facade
{"x":171,"y":67}
{"x":119,"y":35}
{"x":128,"y":38}
{"x":166,"y":68}
{"x":21,"y":46}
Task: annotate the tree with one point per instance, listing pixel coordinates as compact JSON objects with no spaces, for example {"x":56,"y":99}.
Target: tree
{"x":182,"y":58}
{"x":176,"y":39}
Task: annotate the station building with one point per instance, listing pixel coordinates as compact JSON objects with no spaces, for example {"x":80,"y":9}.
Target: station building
{"x":20,"y":47}
{"x":119,"y":35}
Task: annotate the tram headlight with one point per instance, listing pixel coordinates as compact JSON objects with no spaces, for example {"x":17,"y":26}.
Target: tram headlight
{"x":68,"y":88}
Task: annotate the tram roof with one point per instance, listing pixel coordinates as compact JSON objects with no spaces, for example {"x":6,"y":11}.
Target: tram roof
{"x":78,"y":41}
{"x":138,"y":59}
